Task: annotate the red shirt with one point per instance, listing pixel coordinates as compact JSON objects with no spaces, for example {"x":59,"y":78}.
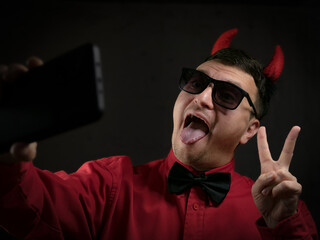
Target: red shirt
{"x":110,"y":199}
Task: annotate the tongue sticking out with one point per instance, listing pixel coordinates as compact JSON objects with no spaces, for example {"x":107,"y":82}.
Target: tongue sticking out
{"x":194,"y":131}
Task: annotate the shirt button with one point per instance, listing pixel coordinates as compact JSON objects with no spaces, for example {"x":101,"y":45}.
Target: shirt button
{"x":195,"y":206}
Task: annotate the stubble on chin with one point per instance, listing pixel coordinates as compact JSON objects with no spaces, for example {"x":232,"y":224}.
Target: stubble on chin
{"x":188,"y":157}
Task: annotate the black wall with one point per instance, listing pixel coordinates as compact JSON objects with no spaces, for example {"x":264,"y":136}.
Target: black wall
{"x":144,"y":46}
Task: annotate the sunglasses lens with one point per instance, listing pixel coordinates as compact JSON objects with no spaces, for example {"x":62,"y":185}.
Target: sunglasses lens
{"x":227,"y":95}
{"x":193,"y":81}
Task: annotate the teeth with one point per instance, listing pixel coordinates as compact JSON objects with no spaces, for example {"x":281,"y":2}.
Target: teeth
{"x":188,"y":120}
{"x":191,"y":118}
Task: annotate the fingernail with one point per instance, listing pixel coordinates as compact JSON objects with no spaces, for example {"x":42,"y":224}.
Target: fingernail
{"x":269,"y":176}
{"x":265,"y":192}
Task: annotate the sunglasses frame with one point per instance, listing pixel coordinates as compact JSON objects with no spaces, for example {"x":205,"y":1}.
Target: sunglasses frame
{"x":214,"y":81}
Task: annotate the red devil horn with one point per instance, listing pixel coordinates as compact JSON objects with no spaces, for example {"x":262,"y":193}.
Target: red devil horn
{"x":274,"y":68}
{"x":224,"y":40}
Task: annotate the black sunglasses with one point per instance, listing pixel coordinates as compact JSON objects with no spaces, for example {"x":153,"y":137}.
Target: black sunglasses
{"x":225,"y":94}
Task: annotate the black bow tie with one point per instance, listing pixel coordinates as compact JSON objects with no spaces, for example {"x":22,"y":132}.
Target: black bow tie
{"x":215,"y":185}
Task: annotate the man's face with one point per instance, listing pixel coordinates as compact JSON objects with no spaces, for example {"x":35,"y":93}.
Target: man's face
{"x":205,"y":134}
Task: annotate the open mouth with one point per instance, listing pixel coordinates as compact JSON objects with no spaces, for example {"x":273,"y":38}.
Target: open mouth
{"x":194,"y":129}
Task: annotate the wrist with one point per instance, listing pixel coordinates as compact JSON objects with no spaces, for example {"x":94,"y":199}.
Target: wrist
{"x":272,"y":223}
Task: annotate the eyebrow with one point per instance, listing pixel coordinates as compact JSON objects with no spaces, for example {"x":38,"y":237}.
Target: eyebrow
{"x":233,"y":82}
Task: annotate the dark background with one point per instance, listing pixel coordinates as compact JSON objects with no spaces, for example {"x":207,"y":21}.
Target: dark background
{"x":144,"y":45}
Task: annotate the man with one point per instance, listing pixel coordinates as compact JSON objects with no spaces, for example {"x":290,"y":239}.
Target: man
{"x":194,"y":193}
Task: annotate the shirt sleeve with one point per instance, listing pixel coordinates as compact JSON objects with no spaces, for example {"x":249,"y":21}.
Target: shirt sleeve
{"x":36,"y":202}
{"x":299,"y":226}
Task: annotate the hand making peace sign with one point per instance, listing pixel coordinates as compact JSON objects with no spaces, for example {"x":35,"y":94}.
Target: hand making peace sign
{"x":276,"y":192}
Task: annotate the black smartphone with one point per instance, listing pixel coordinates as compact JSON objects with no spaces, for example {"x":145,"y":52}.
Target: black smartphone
{"x":63,"y":94}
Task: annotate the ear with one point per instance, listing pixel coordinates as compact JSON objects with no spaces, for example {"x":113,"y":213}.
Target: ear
{"x":252,"y":129}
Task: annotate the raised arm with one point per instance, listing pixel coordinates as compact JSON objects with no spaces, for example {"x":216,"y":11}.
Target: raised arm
{"x":38,"y":204}
{"x":19,"y":152}
{"x":276,"y":193}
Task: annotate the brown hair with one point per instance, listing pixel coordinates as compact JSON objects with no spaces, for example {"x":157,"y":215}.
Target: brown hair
{"x":238,"y":58}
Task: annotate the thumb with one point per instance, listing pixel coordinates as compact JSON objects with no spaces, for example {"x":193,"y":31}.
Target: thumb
{"x":23,"y":152}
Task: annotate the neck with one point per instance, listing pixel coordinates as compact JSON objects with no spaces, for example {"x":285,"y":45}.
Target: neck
{"x":203,"y":162}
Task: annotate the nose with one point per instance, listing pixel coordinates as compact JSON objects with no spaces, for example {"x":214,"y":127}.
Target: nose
{"x":205,"y":97}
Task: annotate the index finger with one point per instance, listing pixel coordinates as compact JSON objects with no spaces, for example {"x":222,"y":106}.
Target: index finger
{"x":263,"y":148}
{"x":288,"y":147}
{"x":15,"y":70}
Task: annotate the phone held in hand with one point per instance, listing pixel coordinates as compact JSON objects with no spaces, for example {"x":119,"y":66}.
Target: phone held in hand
{"x":63,"y":94}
